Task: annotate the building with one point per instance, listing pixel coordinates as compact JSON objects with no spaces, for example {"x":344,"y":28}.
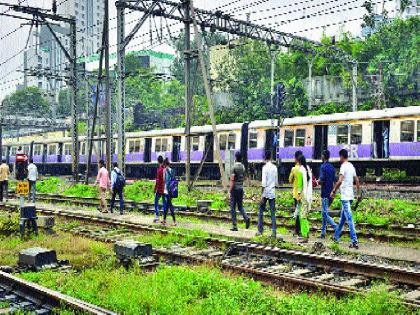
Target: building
{"x":413,"y":9}
{"x":45,"y":62}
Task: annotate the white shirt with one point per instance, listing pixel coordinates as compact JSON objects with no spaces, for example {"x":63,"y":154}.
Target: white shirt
{"x":348,"y":171}
{"x":269,"y":180}
{"x":32,"y":172}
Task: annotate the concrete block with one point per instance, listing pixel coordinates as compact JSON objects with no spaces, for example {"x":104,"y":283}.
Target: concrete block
{"x":46,"y":222}
{"x":37,"y":257}
{"x":132,"y":249}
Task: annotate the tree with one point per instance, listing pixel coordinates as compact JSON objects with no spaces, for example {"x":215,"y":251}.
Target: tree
{"x":28,"y":102}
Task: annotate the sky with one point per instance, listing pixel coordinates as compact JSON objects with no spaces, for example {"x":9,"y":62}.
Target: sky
{"x":308,"y":18}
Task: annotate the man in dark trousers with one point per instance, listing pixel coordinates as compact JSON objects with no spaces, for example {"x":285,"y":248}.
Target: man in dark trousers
{"x":117,"y":186}
{"x":326,"y":180}
{"x":237,"y":192}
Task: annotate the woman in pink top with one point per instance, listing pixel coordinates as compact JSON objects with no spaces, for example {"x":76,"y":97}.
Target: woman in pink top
{"x":103,"y":182}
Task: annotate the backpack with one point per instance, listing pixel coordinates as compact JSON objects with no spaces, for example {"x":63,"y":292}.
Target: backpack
{"x":173,"y":186}
{"x":120,"y":181}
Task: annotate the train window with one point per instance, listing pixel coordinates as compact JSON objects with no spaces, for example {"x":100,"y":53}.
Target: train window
{"x":13,"y":151}
{"x":158,"y":145}
{"x":223,"y":141}
{"x":164,"y":145}
{"x":418,"y":130}
{"x":288,"y":138}
{"x":342,"y":134}
{"x":52,"y":149}
{"x":253,"y":139}
{"x":37,"y":149}
{"x":232,"y":141}
{"x":407,"y":131}
{"x":356,"y":134}
{"x":26,"y":149}
{"x":67,"y":149}
{"x":82,"y":148}
{"x":195,"y":141}
{"x":134,"y":146}
{"x":300,"y":138}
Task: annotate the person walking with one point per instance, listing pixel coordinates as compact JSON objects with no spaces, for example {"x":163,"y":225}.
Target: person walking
{"x":4,"y":180}
{"x":159,"y":186}
{"x":167,"y":198}
{"x":345,"y":183}
{"x":102,"y":179}
{"x":326,"y":180}
{"x":294,"y":179}
{"x":32,"y":178}
{"x":237,"y":192}
{"x":304,"y":196}
{"x":269,"y":181}
{"x":117,"y":187}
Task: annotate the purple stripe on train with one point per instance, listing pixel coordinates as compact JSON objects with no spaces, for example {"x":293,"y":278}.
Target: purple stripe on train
{"x":404,"y":149}
{"x":255,"y":154}
{"x":134,"y":157}
{"x":154,"y":156}
{"x":52,"y":158}
{"x":37,"y":158}
{"x":355,"y":150}
{"x":289,"y":152}
{"x":195,"y":155}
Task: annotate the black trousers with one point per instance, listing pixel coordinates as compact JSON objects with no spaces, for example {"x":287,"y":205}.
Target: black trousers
{"x":297,"y":220}
{"x":4,"y":187}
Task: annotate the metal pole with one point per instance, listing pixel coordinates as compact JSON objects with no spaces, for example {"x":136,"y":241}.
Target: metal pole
{"x":354,"y":87}
{"x":273,"y":68}
{"x":209,"y":99}
{"x":107,"y":90}
{"x":73,"y":83}
{"x":121,"y":86}
{"x":187,"y":78}
{"x":1,"y":141}
{"x":310,"y":88}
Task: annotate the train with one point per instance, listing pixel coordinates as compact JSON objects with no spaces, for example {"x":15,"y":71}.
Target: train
{"x":375,"y":139}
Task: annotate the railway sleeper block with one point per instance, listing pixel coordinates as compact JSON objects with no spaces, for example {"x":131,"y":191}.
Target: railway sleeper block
{"x":46,"y":222}
{"x":37,"y":258}
{"x":132,"y":249}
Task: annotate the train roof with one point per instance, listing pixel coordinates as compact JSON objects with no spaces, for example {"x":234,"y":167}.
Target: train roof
{"x":376,"y":114}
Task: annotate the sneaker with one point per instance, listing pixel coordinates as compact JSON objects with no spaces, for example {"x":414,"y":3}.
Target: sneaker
{"x":234,"y":229}
{"x":174,"y":224}
{"x":273,"y":236}
{"x":156,"y":220}
{"x":322,"y":237}
{"x":163,"y":222}
{"x":354,"y":245}
{"x":247,"y":223}
{"x":259,"y":234}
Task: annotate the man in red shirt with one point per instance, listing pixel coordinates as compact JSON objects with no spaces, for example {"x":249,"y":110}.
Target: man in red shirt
{"x":159,"y":187}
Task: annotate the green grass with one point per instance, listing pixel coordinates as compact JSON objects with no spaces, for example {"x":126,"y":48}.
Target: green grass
{"x":201,"y":290}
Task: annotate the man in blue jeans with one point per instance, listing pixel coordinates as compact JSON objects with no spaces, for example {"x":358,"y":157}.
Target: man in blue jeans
{"x":326,"y":180}
{"x":345,"y":183}
{"x":269,"y":181}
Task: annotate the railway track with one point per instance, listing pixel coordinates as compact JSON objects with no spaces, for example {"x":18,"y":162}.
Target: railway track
{"x":20,"y":296}
{"x":386,"y":233}
{"x":277,"y":266}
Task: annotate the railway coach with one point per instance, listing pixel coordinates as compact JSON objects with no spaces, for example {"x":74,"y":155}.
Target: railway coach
{"x":376,"y":139}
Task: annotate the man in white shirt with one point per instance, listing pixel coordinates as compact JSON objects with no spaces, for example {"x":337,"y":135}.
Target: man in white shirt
{"x":269,"y":181}
{"x":32,"y":177}
{"x":345,"y":183}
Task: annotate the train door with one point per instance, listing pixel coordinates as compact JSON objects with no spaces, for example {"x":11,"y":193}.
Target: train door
{"x":60,"y":153}
{"x":271,"y":140}
{"x":380,"y":138}
{"x":320,"y":140}
{"x":244,"y":144}
{"x":176,"y":148}
{"x":209,"y":145}
{"x":147,"y":150}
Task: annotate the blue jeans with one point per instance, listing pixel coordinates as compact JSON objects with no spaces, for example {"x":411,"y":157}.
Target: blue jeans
{"x":167,"y":203}
{"x":326,"y":219}
{"x":157,"y":198}
{"x":263,"y":203}
{"x":120,"y":196}
{"x":346,"y":216}
{"x":236,"y":200}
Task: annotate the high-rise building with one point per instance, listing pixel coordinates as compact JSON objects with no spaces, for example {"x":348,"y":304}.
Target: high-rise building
{"x":45,"y":61}
{"x":413,"y":9}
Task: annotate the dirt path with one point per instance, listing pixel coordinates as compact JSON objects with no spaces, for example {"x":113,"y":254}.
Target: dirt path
{"x":370,"y":248}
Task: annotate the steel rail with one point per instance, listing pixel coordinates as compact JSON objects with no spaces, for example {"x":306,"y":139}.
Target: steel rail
{"x":391,"y":273}
{"x":47,"y":298}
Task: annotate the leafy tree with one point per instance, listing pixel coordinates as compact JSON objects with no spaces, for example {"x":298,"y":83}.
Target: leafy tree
{"x":28,"y":101}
